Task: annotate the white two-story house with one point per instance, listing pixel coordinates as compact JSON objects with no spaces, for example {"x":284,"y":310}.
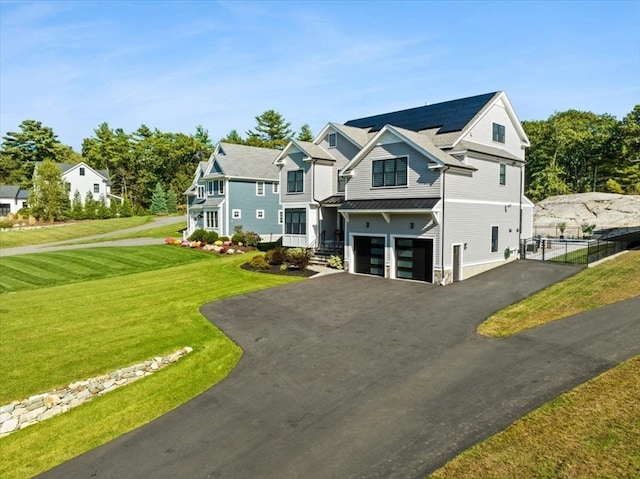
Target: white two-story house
{"x":86,"y":180}
{"x":433,"y":193}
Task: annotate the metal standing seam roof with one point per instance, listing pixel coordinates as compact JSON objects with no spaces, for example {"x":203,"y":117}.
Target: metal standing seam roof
{"x":242,"y":161}
{"x":390,"y":204}
{"x":448,"y":116}
{"x":333,"y":200}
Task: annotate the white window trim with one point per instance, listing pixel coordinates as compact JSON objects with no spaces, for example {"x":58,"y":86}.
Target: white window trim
{"x":335,"y":138}
{"x":221,"y":187}
{"x":200,"y":192}
{"x":500,"y":168}
{"x":260,"y":214}
{"x":275,"y":188}
{"x":258,"y":183}
{"x":280,"y":217}
{"x":236,"y":214}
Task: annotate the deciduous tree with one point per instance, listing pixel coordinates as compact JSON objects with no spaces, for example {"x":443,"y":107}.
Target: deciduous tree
{"x":48,"y":199}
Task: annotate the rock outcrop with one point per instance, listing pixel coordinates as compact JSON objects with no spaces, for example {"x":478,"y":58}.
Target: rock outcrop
{"x":604,"y":210}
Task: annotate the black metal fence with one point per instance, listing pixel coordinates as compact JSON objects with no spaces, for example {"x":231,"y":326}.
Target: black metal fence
{"x":584,"y":251}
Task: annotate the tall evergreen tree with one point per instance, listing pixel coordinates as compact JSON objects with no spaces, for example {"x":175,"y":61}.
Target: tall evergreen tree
{"x":271,"y":131}
{"x":172,"y":201}
{"x":90,"y":206}
{"x":77,"y":208}
{"x":158,"y":201}
{"x":20,"y":151}
{"x":305,"y":133}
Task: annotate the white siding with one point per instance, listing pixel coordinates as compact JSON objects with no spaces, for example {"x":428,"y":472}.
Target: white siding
{"x":324,"y":181}
{"x":85,"y":183}
{"x":482,"y":132}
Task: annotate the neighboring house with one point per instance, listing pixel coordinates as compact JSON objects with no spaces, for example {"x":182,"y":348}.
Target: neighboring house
{"x":12,"y":199}
{"x":434,"y":193}
{"x":238,"y":186}
{"x":81,"y":177}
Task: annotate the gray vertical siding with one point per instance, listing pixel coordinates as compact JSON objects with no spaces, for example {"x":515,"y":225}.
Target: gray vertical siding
{"x":421,"y":181}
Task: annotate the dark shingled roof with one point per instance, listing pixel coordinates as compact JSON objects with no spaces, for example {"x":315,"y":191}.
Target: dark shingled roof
{"x":449,"y":116}
{"x":391,"y":204}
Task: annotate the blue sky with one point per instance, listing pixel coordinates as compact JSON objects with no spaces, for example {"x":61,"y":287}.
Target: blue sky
{"x":175,"y":65}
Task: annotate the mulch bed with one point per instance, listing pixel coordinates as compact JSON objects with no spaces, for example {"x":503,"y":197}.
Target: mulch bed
{"x":275,"y":269}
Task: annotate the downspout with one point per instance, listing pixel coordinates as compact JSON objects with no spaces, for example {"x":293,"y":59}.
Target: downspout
{"x":442,"y":278}
{"x":520,"y":211}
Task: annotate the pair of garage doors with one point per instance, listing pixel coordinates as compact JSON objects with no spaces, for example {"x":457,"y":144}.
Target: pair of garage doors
{"x":413,"y":257}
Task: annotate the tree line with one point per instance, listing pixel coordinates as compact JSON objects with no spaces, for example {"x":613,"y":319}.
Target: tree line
{"x":571,"y":152}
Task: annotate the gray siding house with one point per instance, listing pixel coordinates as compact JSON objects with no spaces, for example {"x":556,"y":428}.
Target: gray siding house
{"x":313,"y":187}
{"x":433,"y":193}
{"x":238,"y":186}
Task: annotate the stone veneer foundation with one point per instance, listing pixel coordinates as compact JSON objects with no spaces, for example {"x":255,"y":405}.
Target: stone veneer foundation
{"x":20,"y":414}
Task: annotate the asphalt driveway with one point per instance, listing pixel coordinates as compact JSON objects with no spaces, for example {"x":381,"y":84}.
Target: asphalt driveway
{"x":349,"y":376}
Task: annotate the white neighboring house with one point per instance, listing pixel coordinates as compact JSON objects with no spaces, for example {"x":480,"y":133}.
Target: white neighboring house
{"x":12,"y":199}
{"x":83,"y":178}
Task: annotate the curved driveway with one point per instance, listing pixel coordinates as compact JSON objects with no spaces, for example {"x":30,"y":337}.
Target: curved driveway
{"x":349,"y":376}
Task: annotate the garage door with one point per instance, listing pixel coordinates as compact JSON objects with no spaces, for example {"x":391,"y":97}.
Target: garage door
{"x":369,"y":254}
{"x":414,"y":259}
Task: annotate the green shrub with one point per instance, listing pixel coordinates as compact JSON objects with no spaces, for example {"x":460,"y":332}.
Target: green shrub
{"x":237,"y":238}
{"x":210,"y":237}
{"x":299,"y":257}
{"x":277,"y":255}
{"x":198,"y":235}
{"x":251,"y":239}
{"x":223,"y":238}
{"x":259,"y":262}
{"x":335,"y":261}
{"x":6,"y":223}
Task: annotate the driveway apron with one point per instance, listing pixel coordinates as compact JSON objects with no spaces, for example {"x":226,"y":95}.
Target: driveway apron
{"x":350,"y":376}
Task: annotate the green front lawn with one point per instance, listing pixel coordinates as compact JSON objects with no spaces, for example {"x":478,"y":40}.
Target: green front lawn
{"x":75,"y":331}
{"x":68,"y":231}
{"x":23,"y":272}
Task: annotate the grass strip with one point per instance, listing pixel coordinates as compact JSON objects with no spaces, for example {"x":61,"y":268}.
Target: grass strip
{"x":173,"y":230}
{"x":607,"y":283}
{"x":51,"y":233}
{"x":590,"y":431}
{"x":24,"y":272}
{"x":70,"y":332}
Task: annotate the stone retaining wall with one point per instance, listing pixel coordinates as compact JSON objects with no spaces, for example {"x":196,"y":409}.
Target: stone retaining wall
{"x":21,"y":414}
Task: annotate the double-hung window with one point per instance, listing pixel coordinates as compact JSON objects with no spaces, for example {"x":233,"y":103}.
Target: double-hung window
{"x":333,"y":140}
{"x":260,"y":188}
{"x":81,"y":171}
{"x":200,"y":193}
{"x":212,"y":219}
{"x":498,"y":133}
{"x":503,"y":174}
{"x":275,"y":188}
{"x":391,"y":172}
{"x":96,"y":187}
{"x":210,"y":189}
{"x":295,"y":181}
{"x":494,"y":239}
{"x":295,"y":221}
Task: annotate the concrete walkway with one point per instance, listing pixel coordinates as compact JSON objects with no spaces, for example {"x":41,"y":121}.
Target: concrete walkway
{"x":351,"y":376}
{"x":180,"y":221}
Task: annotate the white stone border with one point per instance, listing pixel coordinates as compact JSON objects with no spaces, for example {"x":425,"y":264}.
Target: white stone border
{"x":20,"y":414}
